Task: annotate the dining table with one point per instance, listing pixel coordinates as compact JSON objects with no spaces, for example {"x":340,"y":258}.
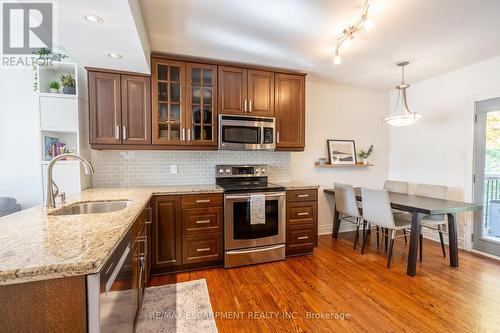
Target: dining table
{"x":418,"y":207}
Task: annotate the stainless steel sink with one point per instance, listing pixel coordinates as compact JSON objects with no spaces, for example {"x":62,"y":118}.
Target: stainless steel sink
{"x":93,"y":207}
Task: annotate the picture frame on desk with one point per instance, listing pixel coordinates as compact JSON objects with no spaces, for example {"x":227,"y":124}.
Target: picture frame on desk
{"x":341,"y":151}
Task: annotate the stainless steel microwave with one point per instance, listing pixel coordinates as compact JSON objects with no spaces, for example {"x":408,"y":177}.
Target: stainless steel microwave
{"x":247,"y":133}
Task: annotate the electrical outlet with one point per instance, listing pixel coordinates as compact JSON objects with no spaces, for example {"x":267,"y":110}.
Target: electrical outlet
{"x":173,"y":169}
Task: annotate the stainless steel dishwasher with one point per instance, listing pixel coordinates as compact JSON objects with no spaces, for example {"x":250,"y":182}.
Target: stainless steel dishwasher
{"x":111,"y":294}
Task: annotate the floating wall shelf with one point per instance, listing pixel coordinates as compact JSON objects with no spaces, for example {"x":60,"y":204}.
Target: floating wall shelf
{"x":328,"y":165}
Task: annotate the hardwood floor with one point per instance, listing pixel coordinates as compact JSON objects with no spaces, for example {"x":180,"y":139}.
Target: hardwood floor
{"x":338,"y":281}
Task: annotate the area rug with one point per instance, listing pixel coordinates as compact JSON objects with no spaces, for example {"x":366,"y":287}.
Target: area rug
{"x":180,"y":307}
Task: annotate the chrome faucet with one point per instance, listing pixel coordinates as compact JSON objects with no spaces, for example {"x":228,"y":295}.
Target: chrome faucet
{"x":53,"y":194}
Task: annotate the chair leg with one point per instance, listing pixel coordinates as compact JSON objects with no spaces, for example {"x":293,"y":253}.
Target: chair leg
{"x":377,"y":236}
{"x":365,"y":236}
{"x":357,"y":233}
{"x":386,"y":237}
{"x":421,"y":243}
{"x":391,"y":245}
{"x":406,"y":239}
{"x":442,"y":240}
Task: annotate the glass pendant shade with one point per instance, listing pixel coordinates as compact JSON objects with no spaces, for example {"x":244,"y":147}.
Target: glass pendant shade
{"x":404,"y":117}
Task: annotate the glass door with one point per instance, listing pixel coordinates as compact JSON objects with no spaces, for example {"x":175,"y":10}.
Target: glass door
{"x":487,"y":176}
{"x":168,"y":102}
{"x":201,"y":104}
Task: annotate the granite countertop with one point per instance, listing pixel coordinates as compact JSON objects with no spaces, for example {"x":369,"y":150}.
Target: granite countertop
{"x":37,"y":246}
{"x":291,"y":185}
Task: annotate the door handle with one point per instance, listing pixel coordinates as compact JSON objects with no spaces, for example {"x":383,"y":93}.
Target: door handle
{"x":203,"y":249}
{"x":278,"y":137}
{"x":189,"y":134}
{"x":245,"y":104}
{"x":250,"y":106}
{"x":124,"y":132}
{"x":202,"y":221}
{"x":303,"y":196}
{"x":303,"y":237}
{"x":302,"y":214}
{"x":183,"y":134}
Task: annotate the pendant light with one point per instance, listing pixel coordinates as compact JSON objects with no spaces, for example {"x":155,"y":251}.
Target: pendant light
{"x":404,"y":117}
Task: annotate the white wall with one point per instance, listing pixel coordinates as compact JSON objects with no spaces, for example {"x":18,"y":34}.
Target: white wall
{"x":19,"y":139}
{"x":439,"y":148}
{"x":341,"y":112}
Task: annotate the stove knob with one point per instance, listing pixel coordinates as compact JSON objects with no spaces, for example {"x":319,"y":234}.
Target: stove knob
{"x":258,"y":170}
{"x":228,"y":170}
{"x":221,"y":171}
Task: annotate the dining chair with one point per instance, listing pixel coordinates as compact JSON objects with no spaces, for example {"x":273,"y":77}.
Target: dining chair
{"x":397,"y":187}
{"x":434,"y":222}
{"x":347,"y":207}
{"x":377,"y":211}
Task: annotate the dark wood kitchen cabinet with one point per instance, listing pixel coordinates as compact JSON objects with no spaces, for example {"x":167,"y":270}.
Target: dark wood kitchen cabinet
{"x":290,"y":112}
{"x":187,"y":232}
{"x":247,"y":92}
{"x":301,"y":221}
{"x":119,"y":109}
{"x":166,"y":233}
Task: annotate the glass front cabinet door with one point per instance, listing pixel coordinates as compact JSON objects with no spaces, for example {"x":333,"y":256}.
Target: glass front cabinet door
{"x":184,"y":103}
{"x":168,"y":80}
{"x":201,"y":105}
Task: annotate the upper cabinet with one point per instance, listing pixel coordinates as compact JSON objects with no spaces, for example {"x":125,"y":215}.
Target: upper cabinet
{"x":290,"y":112}
{"x":178,"y":107}
{"x":184,"y":104}
{"x":246,"y":92}
{"x":120,"y":110}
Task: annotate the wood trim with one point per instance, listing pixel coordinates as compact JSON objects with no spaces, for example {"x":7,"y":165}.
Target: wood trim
{"x":114,"y":71}
{"x":225,"y":63}
{"x":151,"y":147}
{"x":137,"y":115}
{"x":55,"y":305}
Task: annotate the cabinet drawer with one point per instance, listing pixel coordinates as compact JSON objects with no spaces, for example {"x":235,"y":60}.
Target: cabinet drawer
{"x":301,"y":212}
{"x":202,"y":200}
{"x":301,"y":195}
{"x":300,"y":240}
{"x":201,"y":248}
{"x":201,"y":220}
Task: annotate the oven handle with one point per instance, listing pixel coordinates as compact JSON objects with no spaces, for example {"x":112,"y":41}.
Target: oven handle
{"x":253,"y":250}
{"x":247,"y":196}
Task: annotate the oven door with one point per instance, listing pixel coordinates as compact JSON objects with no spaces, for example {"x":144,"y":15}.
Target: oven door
{"x":240,"y":233}
{"x":246,"y":133}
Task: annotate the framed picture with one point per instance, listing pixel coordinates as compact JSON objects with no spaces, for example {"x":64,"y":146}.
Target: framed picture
{"x":341,"y":151}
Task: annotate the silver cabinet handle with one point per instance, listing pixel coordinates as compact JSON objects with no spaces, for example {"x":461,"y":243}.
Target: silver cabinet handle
{"x":183,"y":134}
{"x":302,"y":214}
{"x":203,"y":201}
{"x":278,"y":137}
{"x":202,"y":221}
{"x":303,"y":237}
{"x":250,"y":106}
{"x":117,"y":133}
{"x":203,"y":249}
{"x":189,"y":134}
{"x":303,"y":196}
{"x":124,"y":132}
{"x":245,"y":103}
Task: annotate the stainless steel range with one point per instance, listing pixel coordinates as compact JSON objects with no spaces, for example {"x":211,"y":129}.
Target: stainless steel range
{"x":254,"y":215}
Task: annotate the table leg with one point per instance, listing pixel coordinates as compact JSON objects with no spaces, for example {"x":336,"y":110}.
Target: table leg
{"x":336,"y":224}
{"x":453,"y":239}
{"x":411,"y":269}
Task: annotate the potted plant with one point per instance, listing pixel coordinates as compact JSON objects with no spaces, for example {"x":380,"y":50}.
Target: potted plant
{"x":54,"y":87}
{"x":68,"y":83}
{"x":365,"y":154}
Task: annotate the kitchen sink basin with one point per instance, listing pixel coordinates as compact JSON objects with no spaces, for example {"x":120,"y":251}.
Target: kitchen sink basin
{"x":93,"y":207}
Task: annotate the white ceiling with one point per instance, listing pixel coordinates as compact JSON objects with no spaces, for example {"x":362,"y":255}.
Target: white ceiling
{"x":436,"y":36}
{"x":88,"y":43}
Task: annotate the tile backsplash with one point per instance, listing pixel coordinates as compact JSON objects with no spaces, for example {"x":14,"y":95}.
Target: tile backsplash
{"x":144,"y":168}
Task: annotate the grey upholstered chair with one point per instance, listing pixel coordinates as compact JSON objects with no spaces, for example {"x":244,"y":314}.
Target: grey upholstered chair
{"x":377,"y":211}
{"x":346,"y":205}
{"x":434,"y":222}
{"x":396,"y":186}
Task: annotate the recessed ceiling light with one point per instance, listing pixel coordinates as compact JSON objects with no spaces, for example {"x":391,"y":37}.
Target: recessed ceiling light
{"x":114,"y":55}
{"x":93,"y":18}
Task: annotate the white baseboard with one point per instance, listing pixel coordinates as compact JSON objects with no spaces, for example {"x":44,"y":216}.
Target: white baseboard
{"x":326,"y":229}
{"x":486,"y":254}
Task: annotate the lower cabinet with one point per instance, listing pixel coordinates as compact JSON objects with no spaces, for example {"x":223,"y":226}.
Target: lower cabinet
{"x":301,"y":221}
{"x":186,"y":232}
